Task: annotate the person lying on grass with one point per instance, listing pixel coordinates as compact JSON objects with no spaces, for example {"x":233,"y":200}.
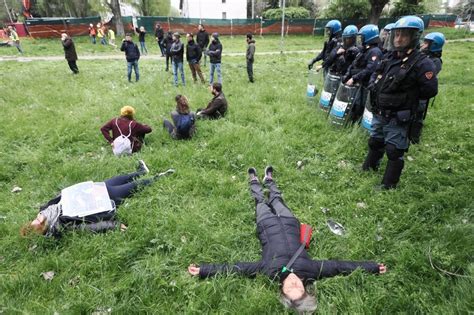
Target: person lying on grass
{"x":283,"y":256}
{"x":89,"y":206}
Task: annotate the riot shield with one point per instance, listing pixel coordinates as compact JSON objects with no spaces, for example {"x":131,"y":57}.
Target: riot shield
{"x":368,"y":115}
{"x":328,"y":94}
{"x":315,"y":83}
{"x":342,"y":106}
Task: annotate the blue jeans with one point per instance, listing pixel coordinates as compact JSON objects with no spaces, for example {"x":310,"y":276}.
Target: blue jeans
{"x":103,"y":41}
{"x":143,"y":48}
{"x":217,"y":67}
{"x":133,"y":64}
{"x":178,"y":66}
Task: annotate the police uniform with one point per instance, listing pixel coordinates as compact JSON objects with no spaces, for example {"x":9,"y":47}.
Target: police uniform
{"x":360,"y":71}
{"x":420,"y":115}
{"x":398,"y":87}
{"x":324,"y":55}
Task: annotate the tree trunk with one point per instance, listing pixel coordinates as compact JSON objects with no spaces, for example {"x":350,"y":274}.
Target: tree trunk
{"x":376,"y":9}
{"x":114,"y":6}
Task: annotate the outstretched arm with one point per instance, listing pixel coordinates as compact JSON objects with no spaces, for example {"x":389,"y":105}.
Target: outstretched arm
{"x":249,"y":269}
{"x":331,"y":268}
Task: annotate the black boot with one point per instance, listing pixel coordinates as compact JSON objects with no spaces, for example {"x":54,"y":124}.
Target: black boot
{"x":415,"y":132}
{"x":392,"y":174}
{"x":372,"y":160}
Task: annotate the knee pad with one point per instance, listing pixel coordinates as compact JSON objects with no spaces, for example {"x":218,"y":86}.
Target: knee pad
{"x":394,"y":154}
{"x":376,"y":143}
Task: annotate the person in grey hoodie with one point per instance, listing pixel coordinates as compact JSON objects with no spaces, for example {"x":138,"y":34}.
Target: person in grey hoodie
{"x":250,"y":55}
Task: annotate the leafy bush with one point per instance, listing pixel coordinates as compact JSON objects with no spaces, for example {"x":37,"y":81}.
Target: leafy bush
{"x":290,"y":13}
{"x":347,"y":9}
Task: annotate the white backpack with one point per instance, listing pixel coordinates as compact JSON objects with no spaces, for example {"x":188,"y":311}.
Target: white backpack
{"x":122,"y":144}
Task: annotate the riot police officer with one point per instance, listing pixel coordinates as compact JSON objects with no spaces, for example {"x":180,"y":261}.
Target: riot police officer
{"x":385,"y":38}
{"x":432,"y":47}
{"x":342,"y":56}
{"x":404,"y":78}
{"x":332,"y":33}
{"x":364,"y":65}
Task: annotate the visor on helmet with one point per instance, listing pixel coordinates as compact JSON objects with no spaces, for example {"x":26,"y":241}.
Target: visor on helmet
{"x":403,"y":39}
{"x":348,"y":41}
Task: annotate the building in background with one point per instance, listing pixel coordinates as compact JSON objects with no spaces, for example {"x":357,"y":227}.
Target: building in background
{"x":211,"y":9}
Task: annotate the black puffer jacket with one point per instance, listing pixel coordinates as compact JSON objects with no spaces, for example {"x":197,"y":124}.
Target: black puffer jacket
{"x":215,"y":51}
{"x":193,"y":52}
{"x":131,"y":51}
{"x":280,"y":239}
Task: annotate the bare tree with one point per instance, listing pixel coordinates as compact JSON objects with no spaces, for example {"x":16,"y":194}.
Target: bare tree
{"x":376,"y":7}
{"x":114,"y":6}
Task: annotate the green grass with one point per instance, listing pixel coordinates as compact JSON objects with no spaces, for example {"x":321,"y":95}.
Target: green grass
{"x":50,"y":139}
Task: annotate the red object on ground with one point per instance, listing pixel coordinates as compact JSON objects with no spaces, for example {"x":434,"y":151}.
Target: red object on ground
{"x":303,"y":229}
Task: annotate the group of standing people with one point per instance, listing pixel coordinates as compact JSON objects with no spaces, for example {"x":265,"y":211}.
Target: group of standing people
{"x":101,"y":33}
{"x":396,"y":74}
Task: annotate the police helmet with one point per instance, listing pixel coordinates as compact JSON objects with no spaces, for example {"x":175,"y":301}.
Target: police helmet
{"x":406,"y":33}
{"x":349,"y":36}
{"x":369,"y":34}
{"x":389,"y":27}
{"x":333,"y":28}
{"x":436,"y":41}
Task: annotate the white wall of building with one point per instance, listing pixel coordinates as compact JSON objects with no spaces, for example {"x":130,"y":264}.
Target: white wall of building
{"x":213,"y":9}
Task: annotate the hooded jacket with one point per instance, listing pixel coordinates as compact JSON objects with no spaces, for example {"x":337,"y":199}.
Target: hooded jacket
{"x":250,"y":50}
{"x":193,"y":52}
{"x":132,"y":53}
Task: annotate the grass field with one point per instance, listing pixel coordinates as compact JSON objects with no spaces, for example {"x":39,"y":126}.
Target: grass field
{"x":50,"y":139}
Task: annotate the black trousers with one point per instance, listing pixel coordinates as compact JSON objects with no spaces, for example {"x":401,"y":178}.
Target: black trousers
{"x":275,"y":204}
{"x":123,"y":186}
{"x":250,"y":70}
{"x":73,"y":66}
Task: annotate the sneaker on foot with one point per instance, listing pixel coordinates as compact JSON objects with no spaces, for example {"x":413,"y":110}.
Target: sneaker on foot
{"x":268,"y":173}
{"x":142,"y":168}
{"x":252,"y":174}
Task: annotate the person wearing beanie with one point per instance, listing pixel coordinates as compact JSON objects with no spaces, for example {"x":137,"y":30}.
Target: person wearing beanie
{"x":177,"y":53}
{"x":215,"y":52}
{"x":126,"y":124}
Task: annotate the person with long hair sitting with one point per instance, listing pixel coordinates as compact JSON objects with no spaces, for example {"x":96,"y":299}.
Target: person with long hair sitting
{"x":183,"y":125}
{"x":283,"y":255}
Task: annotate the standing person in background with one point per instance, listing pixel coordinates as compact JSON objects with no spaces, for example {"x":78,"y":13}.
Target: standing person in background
{"x":126,"y":124}
{"x":177,"y":53}
{"x":167,"y":43}
{"x":160,"y":35}
{"x":183,"y":126}
{"x":101,"y":33}
{"x":215,"y":53}
{"x":193,"y":56}
{"x":92,"y":33}
{"x":70,"y":52}
{"x":202,"y":38}
{"x":250,"y":56}
{"x":111,"y":35}
{"x":141,"y":38}
{"x":14,"y":38}
{"x":132,"y":54}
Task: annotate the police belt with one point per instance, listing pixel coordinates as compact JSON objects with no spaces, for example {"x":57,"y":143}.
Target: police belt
{"x":386,"y":113}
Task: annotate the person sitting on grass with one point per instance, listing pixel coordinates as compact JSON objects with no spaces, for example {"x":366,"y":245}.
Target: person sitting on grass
{"x":217,"y":107}
{"x":56,"y":215}
{"x":183,"y":126}
{"x":126,"y":125}
{"x":283,"y":256}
